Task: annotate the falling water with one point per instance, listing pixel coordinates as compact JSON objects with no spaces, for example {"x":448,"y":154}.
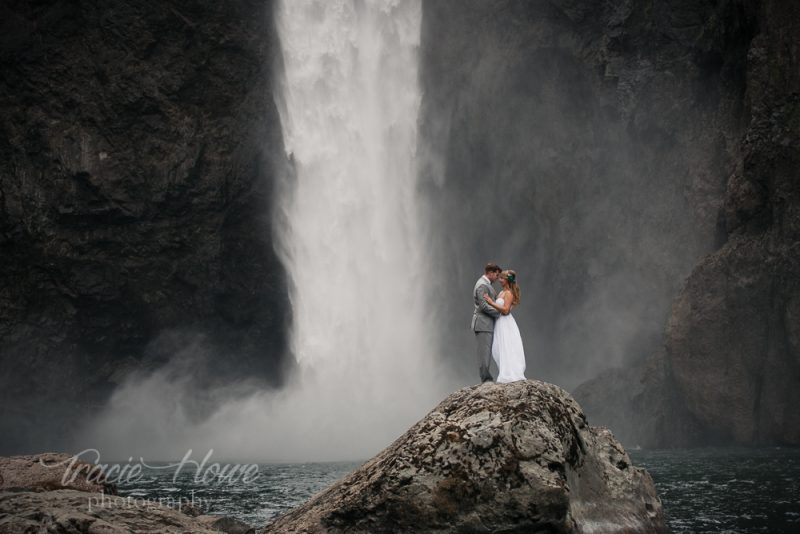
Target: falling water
{"x":353,"y":243}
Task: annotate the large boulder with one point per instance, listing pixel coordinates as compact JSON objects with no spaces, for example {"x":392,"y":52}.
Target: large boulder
{"x":516,"y":457}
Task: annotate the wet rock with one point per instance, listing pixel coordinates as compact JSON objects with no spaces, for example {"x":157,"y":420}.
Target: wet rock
{"x":229,"y":525}
{"x":516,"y":457}
{"x":54,"y":492}
{"x":70,"y":511}
{"x":49,"y":471}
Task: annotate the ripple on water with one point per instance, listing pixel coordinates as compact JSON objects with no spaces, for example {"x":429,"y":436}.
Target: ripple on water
{"x":714,"y":490}
{"x":704,"y":491}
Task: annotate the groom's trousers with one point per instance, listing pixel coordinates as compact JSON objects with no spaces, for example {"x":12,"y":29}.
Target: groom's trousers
{"x":484,"y":342}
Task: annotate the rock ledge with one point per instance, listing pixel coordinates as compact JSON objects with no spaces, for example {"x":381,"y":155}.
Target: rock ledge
{"x":36,"y":496}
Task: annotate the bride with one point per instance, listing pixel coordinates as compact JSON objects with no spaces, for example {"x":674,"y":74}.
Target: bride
{"x":507,"y":343}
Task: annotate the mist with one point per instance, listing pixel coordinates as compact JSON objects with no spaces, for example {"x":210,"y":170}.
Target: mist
{"x":582,"y":152}
{"x":161,"y":415}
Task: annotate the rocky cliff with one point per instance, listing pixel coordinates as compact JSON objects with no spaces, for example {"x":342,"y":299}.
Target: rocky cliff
{"x":636,"y":164}
{"x":587,"y":146}
{"x":733,"y":338}
{"x":730,"y":367}
{"x":516,"y":457}
{"x":138,"y":148}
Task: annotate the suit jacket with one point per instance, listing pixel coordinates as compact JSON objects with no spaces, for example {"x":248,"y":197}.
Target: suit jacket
{"x":483,"y":315}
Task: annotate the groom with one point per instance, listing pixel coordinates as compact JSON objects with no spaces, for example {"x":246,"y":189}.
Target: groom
{"x":483,"y":317}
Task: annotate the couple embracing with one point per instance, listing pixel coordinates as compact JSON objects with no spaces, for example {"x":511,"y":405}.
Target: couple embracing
{"x":495,"y":329}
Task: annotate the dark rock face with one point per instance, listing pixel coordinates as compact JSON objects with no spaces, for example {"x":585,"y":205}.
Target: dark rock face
{"x":586,"y":145}
{"x":516,"y":457}
{"x":736,"y":323}
{"x":732,"y":359}
{"x":642,"y":406}
{"x":610,"y":152}
{"x":138,"y":148}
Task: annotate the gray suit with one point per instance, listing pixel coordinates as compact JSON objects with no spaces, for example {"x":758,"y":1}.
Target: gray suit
{"x":483,"y":317}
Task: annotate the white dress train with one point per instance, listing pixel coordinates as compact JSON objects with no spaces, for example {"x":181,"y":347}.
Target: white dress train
{"x":507,"y":349}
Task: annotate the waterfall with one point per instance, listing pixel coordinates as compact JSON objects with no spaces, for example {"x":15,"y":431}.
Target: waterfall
{"x":352,"y":237}
{"x":350,"y":233}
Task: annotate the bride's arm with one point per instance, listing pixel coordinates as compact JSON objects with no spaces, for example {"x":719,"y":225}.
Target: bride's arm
{"x":483,"y":304}
{"x":505,"y":309}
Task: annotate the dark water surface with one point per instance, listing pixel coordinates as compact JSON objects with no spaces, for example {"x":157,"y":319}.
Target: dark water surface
{"x":720,"y":490}
{"x":277,"y":489}
{"x":727,"y":489}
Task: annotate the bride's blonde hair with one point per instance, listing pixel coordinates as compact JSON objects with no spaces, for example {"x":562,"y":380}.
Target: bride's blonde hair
{"x":511,"y":277}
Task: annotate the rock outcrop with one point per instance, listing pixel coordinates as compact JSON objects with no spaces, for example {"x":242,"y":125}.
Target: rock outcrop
{"x":516,"y":457}
{"x":139,"y":144}
{"x":36,"y":496}
{"x":71,"y":511}
{"x":51,"y":471}
{"x":730,"y":367}
{"x":75,"y":512}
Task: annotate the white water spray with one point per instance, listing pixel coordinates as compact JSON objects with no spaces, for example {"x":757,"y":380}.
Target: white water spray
{"x":353,"y":247}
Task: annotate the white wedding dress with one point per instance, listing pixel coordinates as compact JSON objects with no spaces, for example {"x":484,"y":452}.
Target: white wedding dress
{"x":507,"y":349}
